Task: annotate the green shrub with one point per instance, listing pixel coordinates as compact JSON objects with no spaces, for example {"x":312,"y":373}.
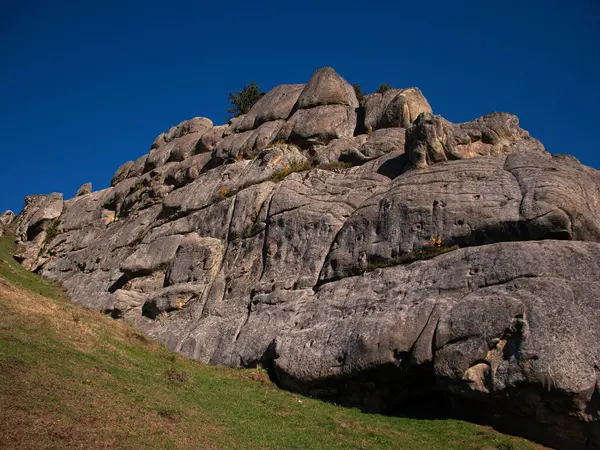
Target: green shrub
{"x":245,"y":99}
{"x":382,"y":88}
{"x":358,"y":91}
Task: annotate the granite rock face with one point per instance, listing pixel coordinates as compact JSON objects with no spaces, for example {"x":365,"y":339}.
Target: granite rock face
{"x":452,"y":266}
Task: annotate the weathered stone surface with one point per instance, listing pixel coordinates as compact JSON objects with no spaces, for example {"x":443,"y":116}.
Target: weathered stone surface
{"x":137,"y":169}
{"x":376,"y":145}
{"x":470,"y":202}
{"x":121,"y":173}
{"x":184,"y":147}
{"x":276,"y":104}
{"x":332,"y":151}
{"x":457,"y":202}
{"x":432,"y":139}
{"x":176,"y":145}
{"x":269,"y":162}
{"x":197,"y":125}
{"x":321,"y":124}
{"x":85,"y":211}
{"x":196,"y":261}
{"x":209,"y":139}
{"x":247,"y":143}
{"x":84,"y":189}
{"x":216,"y":184}
{"x":394,"y":108}
{"x":188,"y":170}
{"x":151,"y":257}
{"x":38,"y":211}
{"x":235,"y":125}
{"x":35,"y":225}
{"x":560,"y":201}
{"x":329,"y":276}
{"x":501,"y":306}
{"x":327,"y":87}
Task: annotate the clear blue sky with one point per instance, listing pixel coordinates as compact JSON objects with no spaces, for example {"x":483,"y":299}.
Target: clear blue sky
{"x":86,"y":86}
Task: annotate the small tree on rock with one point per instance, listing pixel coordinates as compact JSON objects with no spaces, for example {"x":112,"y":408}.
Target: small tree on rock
{"x":243,"y":100}
{"x":358,"y":91}
{"x":382,"y":88}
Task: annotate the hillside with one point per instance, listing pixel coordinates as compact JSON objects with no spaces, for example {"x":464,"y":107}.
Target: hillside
{"x":369,"y":253}
{"x":74,"y":378}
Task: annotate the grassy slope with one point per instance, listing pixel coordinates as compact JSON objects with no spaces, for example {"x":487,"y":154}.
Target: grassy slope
{"x":72,"y":378}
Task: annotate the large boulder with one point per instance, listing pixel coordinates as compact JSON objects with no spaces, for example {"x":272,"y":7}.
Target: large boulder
{"x":320,"y":125}
{"x":209,"y":140}
{"x":327,"y":87}
{"x":197,"y":125}
{"x":393,"y":108}
{"x":277,"y":104}
{"x":248,"y":143}
{"x":325,"y":110}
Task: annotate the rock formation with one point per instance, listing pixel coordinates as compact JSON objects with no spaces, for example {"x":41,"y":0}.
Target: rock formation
{"x":6,"y":218}
{"x":373,"y":254}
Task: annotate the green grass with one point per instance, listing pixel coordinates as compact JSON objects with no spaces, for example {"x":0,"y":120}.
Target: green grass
{"x":73,"y":378}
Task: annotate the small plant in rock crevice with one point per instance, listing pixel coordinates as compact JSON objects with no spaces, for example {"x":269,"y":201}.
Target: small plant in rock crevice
{"x":290,"y":168}
{"x":225,"y":193}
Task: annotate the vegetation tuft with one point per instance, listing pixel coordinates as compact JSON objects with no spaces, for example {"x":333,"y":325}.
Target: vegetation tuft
{"x":358,"y":91}
{"x":383,"y":87}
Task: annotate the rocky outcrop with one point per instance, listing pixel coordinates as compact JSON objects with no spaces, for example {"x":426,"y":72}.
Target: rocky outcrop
{"x":84,"y":189}
{"x":6,"y":219}
{"x":452,"y":266}
{"x":432,"y":139}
